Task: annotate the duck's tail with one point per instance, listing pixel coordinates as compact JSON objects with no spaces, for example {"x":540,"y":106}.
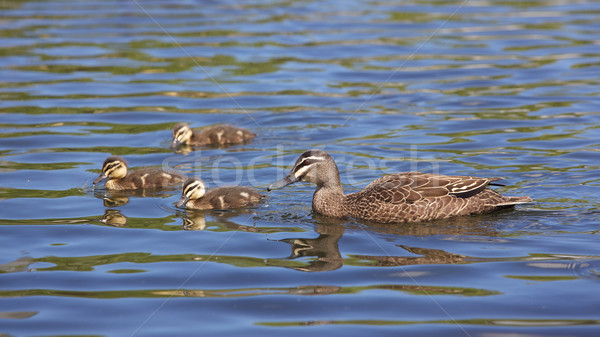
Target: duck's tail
{"x":511,"y":201}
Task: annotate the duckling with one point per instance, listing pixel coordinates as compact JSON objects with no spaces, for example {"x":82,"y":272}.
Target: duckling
{"x":223,"y":134}
{"x":395,"y":198}
{"x":115,"y":168}
{"x":195,"y":196}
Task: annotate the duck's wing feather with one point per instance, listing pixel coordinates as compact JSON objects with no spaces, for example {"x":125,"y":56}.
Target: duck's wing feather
{"x":410,"y":187}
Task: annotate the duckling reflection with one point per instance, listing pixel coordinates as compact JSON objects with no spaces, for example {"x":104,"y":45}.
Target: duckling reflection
{"x":196,"y":220}
{"x":324,"y":247}
{"x":116,"y":198}
{"x":112,"y":198}
{"x":193,"y":220}
{"x":114,"y":218}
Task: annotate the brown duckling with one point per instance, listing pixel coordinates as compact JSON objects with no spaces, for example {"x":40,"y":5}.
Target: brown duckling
{"x":195,"y":196}
{"x":115,"y":169}
{"x":400,"y":197}
{"x":223,"y":134}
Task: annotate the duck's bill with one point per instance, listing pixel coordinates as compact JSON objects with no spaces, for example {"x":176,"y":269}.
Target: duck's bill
{"x":182,"y":201}
{"x":99,"y":179}
{"x":175,"y":143}
{"x":289,"y":179}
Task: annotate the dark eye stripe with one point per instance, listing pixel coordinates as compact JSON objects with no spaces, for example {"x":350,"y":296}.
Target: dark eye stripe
{"x":111,"y":166}
{"x":190,"y":187}
{"x":302,"y":164}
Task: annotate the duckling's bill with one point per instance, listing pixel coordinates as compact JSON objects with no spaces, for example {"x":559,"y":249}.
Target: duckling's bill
{"x":182,"y":201}
{"x":99,"y":179}
{"x":175,"y":143}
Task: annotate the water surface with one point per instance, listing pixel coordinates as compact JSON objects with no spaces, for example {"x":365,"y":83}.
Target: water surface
{"x":500,"y":88}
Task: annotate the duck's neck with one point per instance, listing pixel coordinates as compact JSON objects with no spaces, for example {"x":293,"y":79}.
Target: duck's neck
{"x":329,"y":200}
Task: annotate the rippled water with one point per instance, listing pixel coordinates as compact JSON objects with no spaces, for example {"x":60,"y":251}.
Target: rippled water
{"x":487,"y":88}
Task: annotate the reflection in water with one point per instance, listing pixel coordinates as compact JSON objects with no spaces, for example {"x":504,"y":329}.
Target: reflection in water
{"x":504,"y":88}
{"x":114,"y":218}
{"x":223,"y":221}
{"x":478,"y":225}
{"x":17,"y":315}
{"x":428,"y":256}
{"x":115,"y":198}
{"x":192,"y":220}
{"x":18,"y":265}
{"x":328,"y":257}
{"x":324,"y":248}
{"x":304,"y":290}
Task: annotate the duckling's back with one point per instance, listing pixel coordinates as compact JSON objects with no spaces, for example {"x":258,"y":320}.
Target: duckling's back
{"x":228,"y":197}
{"x":222,"y":135}
{"x":150,"y":177}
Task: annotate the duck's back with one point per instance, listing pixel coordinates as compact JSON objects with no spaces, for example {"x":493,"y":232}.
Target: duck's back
{"x":414,"y":196}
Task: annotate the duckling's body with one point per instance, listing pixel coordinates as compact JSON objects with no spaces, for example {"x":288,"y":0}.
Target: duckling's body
{"x":195,"y":196}
{"x":115,"y":169}
{"x":396,"y":198}
{"x":223,"y":134}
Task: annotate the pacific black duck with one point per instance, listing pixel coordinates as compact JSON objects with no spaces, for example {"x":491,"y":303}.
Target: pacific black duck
{"x":119,"y":178}
{"x":395,"y":198}
{"x":223,"y":134}
{"x":195,"y":196}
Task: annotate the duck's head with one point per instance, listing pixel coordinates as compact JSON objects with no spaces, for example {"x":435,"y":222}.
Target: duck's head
{"x":314,"y":166}
{"x":182,"y":133}
{"x":114,"y":168}
{"x":192,"y":189}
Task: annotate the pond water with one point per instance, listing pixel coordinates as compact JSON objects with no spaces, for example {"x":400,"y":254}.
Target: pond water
{"x":486,"y":88}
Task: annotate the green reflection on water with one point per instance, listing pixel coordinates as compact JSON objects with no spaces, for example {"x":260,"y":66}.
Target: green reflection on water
{"x":7,"y":166}
{"x":246,"y":292}
{"x":12,"y":193}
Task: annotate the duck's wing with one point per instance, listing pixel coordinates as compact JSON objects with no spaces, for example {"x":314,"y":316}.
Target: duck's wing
{"x":410,"y":187}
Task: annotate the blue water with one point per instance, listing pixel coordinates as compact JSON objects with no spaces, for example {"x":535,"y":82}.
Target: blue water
{"x":485,"y":88}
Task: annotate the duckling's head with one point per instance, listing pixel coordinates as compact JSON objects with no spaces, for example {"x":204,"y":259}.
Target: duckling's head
{"x":192,"y":189}
{"x":314,"y":166}
{"x":182,"y":134}
{"x":114,"y":168}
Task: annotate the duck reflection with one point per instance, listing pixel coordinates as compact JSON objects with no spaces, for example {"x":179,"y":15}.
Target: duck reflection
{"x":237,"y":293}
{"x":19,"y":265}
{"x":196,"y":220}
{"x":183,"y":149}
{"x":480,"y":225}
{"x":113,"y":217}
{"x":116,"y":198}
{"x":427,"y":256}
{"x":112,"y":198}
{"x":328,"y":257}
{"x":324,"y":247}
